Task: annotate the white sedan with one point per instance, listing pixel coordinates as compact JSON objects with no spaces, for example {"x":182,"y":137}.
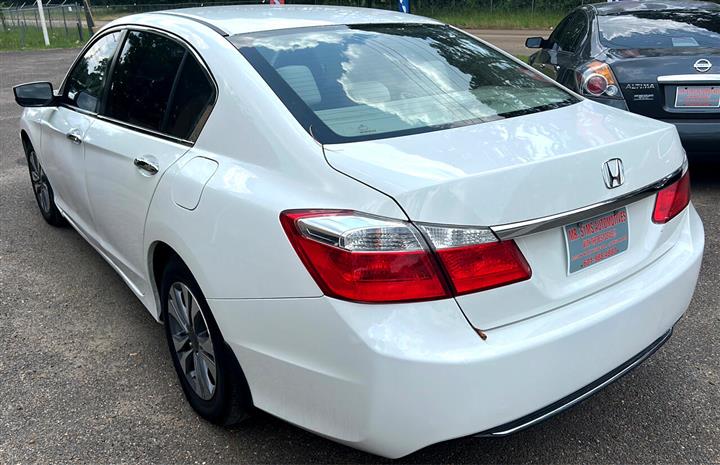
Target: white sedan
{"x":369,"y":224}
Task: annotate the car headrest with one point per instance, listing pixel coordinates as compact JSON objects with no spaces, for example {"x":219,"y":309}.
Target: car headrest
{"x":301,"y":79}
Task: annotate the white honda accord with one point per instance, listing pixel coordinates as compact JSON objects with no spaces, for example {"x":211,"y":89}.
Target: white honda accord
{"x":369,"y":224}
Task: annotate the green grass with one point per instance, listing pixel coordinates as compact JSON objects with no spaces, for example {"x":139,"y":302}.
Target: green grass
{"x":461,"y":17}
{"x":33,"y":39}
{"x":483,"y":19}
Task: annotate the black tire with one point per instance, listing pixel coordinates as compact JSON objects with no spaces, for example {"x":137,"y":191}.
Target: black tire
{"x":44,"y":195}
{"x":230,"y":402}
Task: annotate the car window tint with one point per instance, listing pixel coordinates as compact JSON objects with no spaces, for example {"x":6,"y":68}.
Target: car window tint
{"x":143,"y":78}
{"x":559,"y":30}
{"x":192,"y":95}
{"x":86,"y":81}
{"x":573,"y":32}
{"x":362,"y":82}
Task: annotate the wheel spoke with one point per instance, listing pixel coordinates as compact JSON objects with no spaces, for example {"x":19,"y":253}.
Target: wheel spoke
{"x":186,"y":300}
{"x":196,"y":319}
{"x":34,"y":171}
{"x":181,"y":342}
{"x":201,"y":375}
{"x":209,"y":365}
{"x":186,"y":361}
{"x":206,"y":345}
{"x":176,"y":311}
{"x":44,"y":197}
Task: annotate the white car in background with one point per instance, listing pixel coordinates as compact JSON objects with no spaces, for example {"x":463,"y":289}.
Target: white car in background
{"x":369,"y":224}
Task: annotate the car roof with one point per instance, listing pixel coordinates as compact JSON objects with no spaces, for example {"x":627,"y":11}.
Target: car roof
{"x":613,"y":8}
{"x":241,"y":19}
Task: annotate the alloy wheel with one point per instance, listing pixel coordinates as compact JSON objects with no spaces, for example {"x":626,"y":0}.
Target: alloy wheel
{"x":191,"y":340}
{"x":39,"y":182}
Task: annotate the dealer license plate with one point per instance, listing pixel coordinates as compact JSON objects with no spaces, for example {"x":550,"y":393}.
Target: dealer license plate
{"x":592,"y":241}
{"x":697,"y":97}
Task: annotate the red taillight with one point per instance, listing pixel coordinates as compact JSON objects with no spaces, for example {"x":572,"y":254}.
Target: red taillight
{"x":398,"y":271}
{"x":596,"y":84}
{"x":596,"y":79}
{"x":485,"y":266}
{"x":672,"y":200}
{"x":362,"y":258}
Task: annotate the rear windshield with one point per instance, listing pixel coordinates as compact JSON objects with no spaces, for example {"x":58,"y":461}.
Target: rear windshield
{"x":350,"y":83}
{"x":661,"y":29}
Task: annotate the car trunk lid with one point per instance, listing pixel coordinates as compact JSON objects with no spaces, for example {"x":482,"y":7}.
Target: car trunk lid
{"x":520,"y":169}
{"x":652,"y":80}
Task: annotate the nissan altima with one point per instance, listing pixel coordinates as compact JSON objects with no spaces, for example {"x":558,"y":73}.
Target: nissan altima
{"x":369,"y":224}
{"x":657,"y":59}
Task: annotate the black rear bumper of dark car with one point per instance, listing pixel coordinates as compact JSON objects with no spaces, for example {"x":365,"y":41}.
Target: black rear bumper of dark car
{"x":700,"y":135}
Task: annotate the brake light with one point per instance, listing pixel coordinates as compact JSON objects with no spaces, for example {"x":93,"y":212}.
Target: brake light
{"x":363,"y":258}
{"x":598,"y":80}
{"x":475,"y":260}
{"x":672,"y":200}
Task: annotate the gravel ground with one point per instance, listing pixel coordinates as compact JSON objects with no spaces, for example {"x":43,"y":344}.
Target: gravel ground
{"x":86,"y":376}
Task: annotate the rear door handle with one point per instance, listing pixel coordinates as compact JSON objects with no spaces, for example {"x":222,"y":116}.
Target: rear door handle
{"x":147,"y":164}
{"x":74,"y":136}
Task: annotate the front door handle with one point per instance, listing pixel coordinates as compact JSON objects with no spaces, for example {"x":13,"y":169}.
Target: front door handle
{"x":74,"y":137}
{"x":147,"y":164}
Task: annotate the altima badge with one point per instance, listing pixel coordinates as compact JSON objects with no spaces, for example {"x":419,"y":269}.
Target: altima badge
{"x":703,"y":65}
{"x":613,"y":173}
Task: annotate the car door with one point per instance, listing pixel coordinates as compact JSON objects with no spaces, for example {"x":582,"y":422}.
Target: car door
{"x":157,"y":95}
{"x":66,"y":126}
{"x":559,"y":58}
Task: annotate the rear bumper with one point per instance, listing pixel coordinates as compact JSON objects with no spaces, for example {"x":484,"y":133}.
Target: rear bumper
{"x":701,"y":136}
{"x":611,"y":102}
{"x":391,"y":379}
{"x":577,"y":396}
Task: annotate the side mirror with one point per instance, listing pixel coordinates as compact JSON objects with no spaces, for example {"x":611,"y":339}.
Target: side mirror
{"x":34,"y":94}
{"x":534,"y":42}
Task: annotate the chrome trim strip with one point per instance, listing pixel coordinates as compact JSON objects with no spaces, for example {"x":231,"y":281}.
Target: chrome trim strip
{"x":523,"y":228}
{"x":689,"y":78}
{"x":637,"y":360}
{"x":149,"y":132}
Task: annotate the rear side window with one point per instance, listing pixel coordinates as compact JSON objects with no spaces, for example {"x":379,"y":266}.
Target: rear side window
{"x":573,"y":32}
{"x":189,"y":101}
{"x":362,"y":82}
{"x":143,"y":79}
{"x":85,"y":83}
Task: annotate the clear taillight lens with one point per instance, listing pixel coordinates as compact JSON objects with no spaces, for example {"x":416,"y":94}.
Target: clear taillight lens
{"x":362,"y":258}
{"x":672,"y":200}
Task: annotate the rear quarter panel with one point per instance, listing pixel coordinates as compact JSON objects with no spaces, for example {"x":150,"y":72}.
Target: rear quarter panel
{"x":233,"y":241}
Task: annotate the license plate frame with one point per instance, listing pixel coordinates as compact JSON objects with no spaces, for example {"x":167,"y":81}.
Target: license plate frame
{"x":597,"y":239}
{"x":691,"y":97}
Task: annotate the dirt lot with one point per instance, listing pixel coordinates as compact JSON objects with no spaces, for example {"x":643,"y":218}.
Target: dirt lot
{"x":86,"y":376}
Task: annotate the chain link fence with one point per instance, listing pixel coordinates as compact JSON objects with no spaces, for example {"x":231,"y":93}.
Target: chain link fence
{"x":20,"y":26}
{"x":68,"y":24}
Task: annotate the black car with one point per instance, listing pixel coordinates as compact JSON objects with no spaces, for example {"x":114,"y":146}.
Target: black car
{"x":657,"y":59}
